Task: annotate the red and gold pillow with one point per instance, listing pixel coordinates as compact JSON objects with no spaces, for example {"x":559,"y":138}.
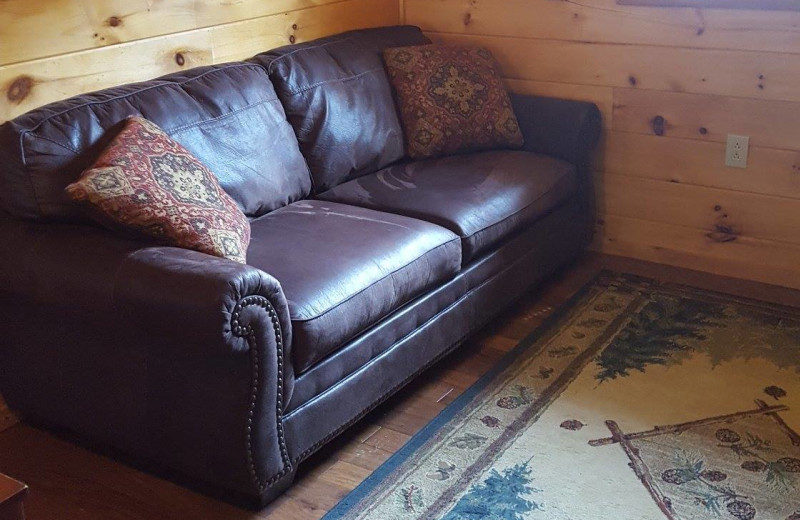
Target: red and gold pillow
{"x":147,"y":184}
{"x":451,"y":100}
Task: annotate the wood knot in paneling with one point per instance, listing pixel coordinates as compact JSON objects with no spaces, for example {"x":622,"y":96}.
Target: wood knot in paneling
{"x":19,"y":89}
{"x":723,"y":230}
{"x":115,"y":21}
{"x":722,"y":233}
{"x":659,"y":125}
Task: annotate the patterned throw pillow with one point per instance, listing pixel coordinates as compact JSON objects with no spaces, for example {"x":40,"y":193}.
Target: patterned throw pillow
{"x":451,"y":100}
{"x":146,"y":184}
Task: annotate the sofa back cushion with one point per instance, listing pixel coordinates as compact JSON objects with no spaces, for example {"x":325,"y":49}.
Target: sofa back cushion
{"x":228,"y":116}
{"x":338,"y":99}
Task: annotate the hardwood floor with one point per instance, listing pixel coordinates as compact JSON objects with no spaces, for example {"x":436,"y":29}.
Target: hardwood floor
{"x":69,"y":482}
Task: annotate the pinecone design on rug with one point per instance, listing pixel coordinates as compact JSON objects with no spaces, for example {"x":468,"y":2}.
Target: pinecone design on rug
{"x":572,"y":424}
{"x":775,"y":392}
{"x":443,"y":471}
{"x":490,"y":421}
{"x":509,"y":402}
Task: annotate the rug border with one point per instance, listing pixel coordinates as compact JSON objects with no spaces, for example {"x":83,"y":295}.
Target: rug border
{"x":347,"y":503}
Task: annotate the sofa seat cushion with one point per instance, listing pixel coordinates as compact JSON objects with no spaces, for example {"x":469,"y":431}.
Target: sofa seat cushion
{"x":483,"y":197}
{"x":343,"y":268}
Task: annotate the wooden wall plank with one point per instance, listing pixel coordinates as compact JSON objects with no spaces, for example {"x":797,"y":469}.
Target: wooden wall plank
{"x":51,"y":79}
{"x":689,"y":161}
{"x":746,"y":257}
{"x":241,"y":40}
{"x":761,"y":75}
{"x":30,"y":84}
{"x":74,"y":25}
{"x":725,"y":213}
{"x":605,"y":21}
{"x":770,"y":124}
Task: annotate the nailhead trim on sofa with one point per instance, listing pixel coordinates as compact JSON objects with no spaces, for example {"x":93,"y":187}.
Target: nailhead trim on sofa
{"x":246,"y":331}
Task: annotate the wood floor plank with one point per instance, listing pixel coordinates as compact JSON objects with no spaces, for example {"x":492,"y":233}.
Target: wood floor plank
{"x":363,"y":455}
{"x":287,"y":508}
{"x":388,"y":439}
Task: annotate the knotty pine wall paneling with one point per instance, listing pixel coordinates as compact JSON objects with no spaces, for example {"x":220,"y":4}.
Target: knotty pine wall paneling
{"x":708,"y":73}
{"x":52,"y":49}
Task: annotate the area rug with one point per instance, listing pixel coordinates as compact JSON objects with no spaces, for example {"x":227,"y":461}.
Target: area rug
{"x":638,"y":400}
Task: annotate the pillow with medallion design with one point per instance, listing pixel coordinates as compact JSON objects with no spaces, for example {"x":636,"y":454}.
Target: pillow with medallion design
{"x":147,"y":185}
{"x":451,"y":100}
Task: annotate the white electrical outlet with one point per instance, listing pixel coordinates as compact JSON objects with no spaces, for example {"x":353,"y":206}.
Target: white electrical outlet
{"x":736,"y":151}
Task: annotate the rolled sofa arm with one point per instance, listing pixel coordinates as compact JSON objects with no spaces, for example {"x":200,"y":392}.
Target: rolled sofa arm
{"x":176,"y":358}
{"x":568,"y":130}
{"x":562,"y":128}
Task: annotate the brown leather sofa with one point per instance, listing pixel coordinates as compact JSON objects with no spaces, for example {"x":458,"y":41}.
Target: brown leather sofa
{"x":364,"y":267}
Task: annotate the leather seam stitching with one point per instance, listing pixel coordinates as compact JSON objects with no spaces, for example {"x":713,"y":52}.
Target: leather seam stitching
{"x":188,"y":126}
{"x":32,"y":131}
{"x":335,"y":80}
{"x":161,"y":83}
{"x":319,"y":46}
{"x":168,"y":131}
{"x":48,"y":139}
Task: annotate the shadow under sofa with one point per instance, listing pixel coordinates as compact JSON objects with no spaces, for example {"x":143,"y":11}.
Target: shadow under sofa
{"x":226,"y":375}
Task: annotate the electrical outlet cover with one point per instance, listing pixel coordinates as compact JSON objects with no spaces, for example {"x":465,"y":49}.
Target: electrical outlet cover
{"x":736,"y":151}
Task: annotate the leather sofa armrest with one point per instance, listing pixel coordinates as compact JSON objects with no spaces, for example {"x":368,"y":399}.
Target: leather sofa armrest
{"x":173,"y":356}
{"x":163,"y":291}
{"x":562,"y":128}
{"x":568,"y":130}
